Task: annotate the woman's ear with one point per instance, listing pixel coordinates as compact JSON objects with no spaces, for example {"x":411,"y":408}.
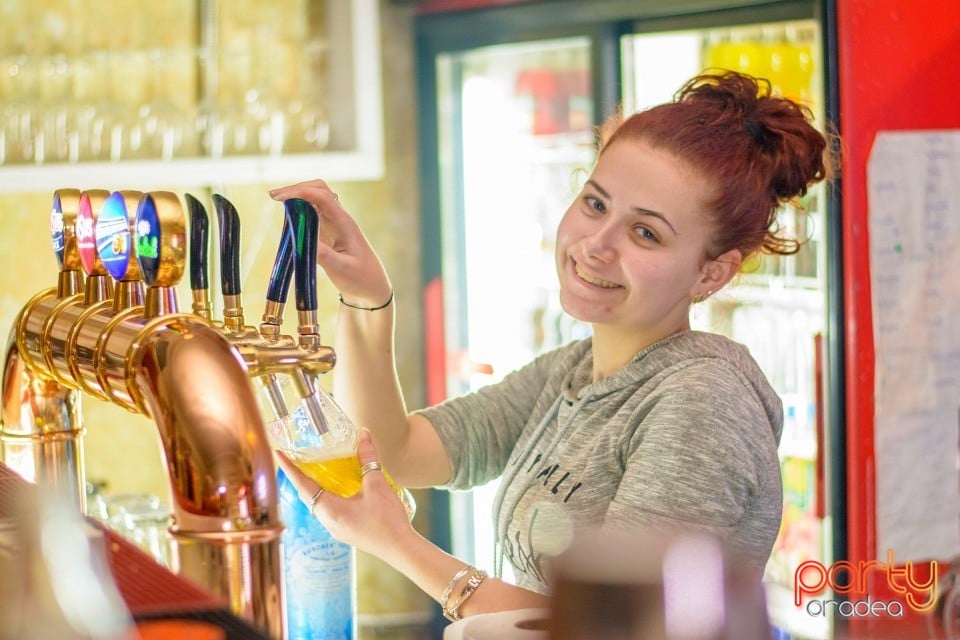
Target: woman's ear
{"x":718,"y":272}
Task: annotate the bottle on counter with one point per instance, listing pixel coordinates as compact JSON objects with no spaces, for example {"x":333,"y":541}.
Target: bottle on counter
{"x":319,"y":572}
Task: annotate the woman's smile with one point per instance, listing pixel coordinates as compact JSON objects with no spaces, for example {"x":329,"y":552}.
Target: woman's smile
{"x":592,"y":279}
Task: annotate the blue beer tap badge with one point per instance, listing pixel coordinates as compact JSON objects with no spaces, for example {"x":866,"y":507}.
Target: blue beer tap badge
{"x":113,"y":235}
{"x":56,"y":228}
{"x":147,"y":235}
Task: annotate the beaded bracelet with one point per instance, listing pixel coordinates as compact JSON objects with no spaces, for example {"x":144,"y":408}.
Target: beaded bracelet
{"x":453,"y":583}
{"x":452,"y":612}
{"x":353,"y":306}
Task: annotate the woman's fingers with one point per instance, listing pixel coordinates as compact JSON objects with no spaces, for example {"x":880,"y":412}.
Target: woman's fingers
{"x":291,"y":470}
{"x":373,"y":520}
{"x":366,"y":449}
{"x":338,"y":225}
{"x":328,"y":206}
{"x":338,"y":230}
{"x":306,"y":487}
{"x":344,"y":253}
{"x":305,"y":190}
{"x":367,"y":456}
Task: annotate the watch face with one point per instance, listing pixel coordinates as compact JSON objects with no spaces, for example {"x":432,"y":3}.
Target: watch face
{"x":86,"y":241}
{"x":56,"y":228}
{"x":112,"y":232}
{"x":147,"y":236}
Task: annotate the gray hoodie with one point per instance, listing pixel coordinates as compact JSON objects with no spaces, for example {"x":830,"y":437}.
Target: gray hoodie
{"x":684,"y":436}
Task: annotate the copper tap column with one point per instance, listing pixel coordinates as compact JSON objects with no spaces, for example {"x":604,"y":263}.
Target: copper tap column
{"x":226,"y":522}
{"x":185,"y":374}
{"x":41,"y":425}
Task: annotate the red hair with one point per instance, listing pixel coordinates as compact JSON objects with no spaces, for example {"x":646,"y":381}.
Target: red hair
{"x":758,"y":150}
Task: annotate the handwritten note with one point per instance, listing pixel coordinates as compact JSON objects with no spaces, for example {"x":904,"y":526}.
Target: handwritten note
{"x":914,"y":223}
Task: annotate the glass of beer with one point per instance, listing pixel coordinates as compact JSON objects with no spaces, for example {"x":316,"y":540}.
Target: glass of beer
{"x":327,"y":453}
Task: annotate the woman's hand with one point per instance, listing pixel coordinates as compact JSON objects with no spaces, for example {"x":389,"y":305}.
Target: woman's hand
{"x":373,"y":520}
{"x":343,"y":251}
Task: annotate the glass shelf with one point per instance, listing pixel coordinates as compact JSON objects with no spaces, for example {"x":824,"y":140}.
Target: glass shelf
{"x":352,"y":98}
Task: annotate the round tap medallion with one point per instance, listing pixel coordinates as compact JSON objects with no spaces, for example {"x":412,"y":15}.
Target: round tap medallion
{"x":56,"y":228}
{"x":147,"y":236}
{"x":112,"y":231}
{"x":86,"y":241}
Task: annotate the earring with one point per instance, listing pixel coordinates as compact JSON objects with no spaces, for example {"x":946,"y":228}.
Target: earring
{"x":700,"y":297}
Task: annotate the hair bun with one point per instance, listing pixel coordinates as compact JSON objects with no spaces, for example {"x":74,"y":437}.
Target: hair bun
{"x":759,"y":149}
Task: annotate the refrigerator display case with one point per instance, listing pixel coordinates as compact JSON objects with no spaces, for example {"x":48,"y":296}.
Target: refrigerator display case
{"x":518,"y":138}
{"x":509,"y":109}
{"x":777,"y":305}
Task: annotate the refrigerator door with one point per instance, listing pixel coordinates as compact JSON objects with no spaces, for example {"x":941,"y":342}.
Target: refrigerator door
{"x":777,"y":307}
{"x":515,"y":139}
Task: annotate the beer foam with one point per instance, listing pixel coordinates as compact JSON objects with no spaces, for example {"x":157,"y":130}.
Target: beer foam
{"x":323,"y":453}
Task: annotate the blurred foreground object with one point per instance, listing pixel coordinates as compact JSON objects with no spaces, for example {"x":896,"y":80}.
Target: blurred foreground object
{"x":520,"y":624}
{"x":55,"y":580}
{"x":158,"y":601}
{"x":620,"y":587}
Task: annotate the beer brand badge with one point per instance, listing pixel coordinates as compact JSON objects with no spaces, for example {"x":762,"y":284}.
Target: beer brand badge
{"x":112,"y":232}
{"x":56,"y":228}
{"x":86,"y":241}
{"x":147,"y":237}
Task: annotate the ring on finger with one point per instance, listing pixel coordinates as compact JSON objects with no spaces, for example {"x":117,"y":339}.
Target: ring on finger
{"x":312,"y":500}
{"x":370,"y":466}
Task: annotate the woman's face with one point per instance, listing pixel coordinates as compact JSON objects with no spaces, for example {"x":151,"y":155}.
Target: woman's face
{"x":631,"y":249}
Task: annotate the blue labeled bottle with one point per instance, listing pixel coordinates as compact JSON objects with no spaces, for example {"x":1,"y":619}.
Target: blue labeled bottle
{"x":319,"y":574}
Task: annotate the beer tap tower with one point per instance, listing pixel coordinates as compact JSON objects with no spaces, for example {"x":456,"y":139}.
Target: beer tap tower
{"x":188,"y":373}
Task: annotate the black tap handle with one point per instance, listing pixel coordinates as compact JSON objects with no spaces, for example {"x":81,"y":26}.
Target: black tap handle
{"x":282,"y":272}
{"x":304,"y":225}
{"x":199,"y":242}
{"x":229,"y":221}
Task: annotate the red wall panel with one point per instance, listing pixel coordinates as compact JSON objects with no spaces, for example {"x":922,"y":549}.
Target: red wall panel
{"x":899,"y":68}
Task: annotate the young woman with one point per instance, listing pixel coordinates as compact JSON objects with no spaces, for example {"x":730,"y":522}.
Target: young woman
{"x":646,"y":425}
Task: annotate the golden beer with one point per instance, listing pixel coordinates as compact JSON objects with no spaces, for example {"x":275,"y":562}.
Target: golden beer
{"x":337,"y":470}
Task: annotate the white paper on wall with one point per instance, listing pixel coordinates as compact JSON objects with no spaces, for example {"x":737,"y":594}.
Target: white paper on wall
{"x":914,"y":223}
